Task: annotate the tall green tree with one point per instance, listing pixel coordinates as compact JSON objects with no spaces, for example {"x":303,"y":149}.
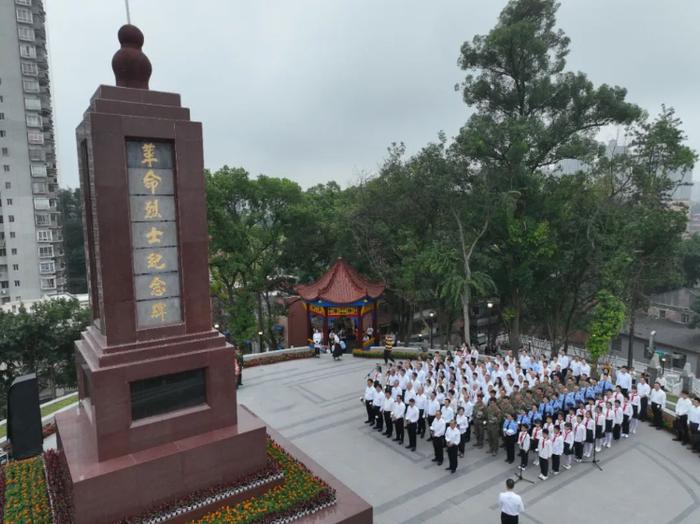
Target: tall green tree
{"x":69,"y":203}
{"x":529,"y":114}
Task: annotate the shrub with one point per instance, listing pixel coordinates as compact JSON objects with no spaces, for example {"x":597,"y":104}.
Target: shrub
{"x":398,"y":355}
{"x":282,"y":357}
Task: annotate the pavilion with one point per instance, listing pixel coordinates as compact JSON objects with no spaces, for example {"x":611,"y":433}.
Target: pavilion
{"x":341,"y":293}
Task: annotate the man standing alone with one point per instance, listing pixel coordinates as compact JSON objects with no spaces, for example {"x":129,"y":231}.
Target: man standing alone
{"x":510,"y":503}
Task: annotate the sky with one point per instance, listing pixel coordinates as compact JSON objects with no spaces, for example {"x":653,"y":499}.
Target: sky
{"x":316,"y":90}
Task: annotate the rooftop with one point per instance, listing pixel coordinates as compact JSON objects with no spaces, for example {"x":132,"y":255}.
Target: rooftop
{"x":316,"y":404}
{"x":341,"y":284}
{"x":668,"y":333}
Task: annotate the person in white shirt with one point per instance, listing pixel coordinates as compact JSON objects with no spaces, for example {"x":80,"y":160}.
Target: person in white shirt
{"x":421,"y":403}
{"x":636,"y":408}
{"x":431,"y":409}
{"x":463,"y":425}
{"x":452,"y":442}
{"x":544,"y":452}
{"x":694,"y":424}
{"x":658,"y":403}
{"x":317,"y":339}
{"x":626,"y":417}
{"x":568,"y":444}
{"x":644,"y":390}
{"x":437,"y":433}
{"x":367,"y":399}
{"x":510,"y":504}
{"x":411,"y":417}
{"x":624,"y":380}
{"x":579,"y":438}
{"x":523,"y":446}
{"x":377,"y":404}
{"x":617,"y":420}
{"x":683,"y":405}
{"x":387,"y":411}
{"x":557,"y":449}
{"x":397,"y":413}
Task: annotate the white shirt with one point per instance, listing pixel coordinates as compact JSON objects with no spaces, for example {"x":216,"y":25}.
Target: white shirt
{"x":369,"y":393}
{"x":545,"y":448}
{"x":412,"y":414}
{"x":421,"y":401}
{"x":643,"y":389}
{"x":378,"y":401}
{"x":388,"y":404}
{"x":452,"y":436}
{"x":658,"y":397}
{"x":558,"y":444}
{"x":438,"y":427}
{"x":624,"y":380}
{"x":398,"y":410}
{"x":462,"y":423}
{"x":694,"y":415}
{"x":510,"y":503}
{"x":683,"y":406}
{"x":579,"y":432}
{"x":524,"y":441}
{"x":448,"y":413}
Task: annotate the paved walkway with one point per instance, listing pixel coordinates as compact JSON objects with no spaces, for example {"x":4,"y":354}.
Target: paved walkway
{"x":316,"y":404}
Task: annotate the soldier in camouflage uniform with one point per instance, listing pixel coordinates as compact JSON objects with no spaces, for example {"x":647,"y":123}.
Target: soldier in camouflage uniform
{"x":493,"y":426}
{"x":479,"y":415}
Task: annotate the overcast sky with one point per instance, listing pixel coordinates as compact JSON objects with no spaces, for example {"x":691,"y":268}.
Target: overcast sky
{"x":315,"y":90}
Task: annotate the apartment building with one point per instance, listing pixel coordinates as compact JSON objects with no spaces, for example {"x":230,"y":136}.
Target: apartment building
{"x":31,"y":241}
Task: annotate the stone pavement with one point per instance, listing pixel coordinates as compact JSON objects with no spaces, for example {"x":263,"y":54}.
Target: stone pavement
{"x":315,"y":403}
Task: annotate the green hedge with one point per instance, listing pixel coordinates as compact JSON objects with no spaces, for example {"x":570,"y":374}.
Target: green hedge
{"x":273,"y":359}
{"x":398,"y":355}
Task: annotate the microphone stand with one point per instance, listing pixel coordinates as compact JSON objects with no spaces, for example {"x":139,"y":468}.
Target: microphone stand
{"x":594,"y":461}
{"x":520,"y":478}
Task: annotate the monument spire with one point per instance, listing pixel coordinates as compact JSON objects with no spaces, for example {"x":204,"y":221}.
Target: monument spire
{"x":131,"y":66}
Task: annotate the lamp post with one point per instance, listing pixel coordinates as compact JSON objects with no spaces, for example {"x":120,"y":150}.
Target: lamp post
{"x":432,"y":316}
{"x":663,"y":366}
{"x":260,"y":334}
{"x":651,"y":343}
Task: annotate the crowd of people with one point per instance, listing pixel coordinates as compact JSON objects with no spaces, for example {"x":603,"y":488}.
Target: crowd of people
{"x":551,"y":410}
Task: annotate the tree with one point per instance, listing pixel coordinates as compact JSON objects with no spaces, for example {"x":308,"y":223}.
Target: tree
{"x":606,"y":322}
{"x":529,"y":115}
{"x":69,"y":203}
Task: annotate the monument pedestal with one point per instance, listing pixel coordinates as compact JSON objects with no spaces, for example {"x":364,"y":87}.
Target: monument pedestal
{"x":104,"y":491}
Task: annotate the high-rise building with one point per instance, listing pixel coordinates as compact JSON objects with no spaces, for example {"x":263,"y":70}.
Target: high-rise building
{"x":31,"y":240}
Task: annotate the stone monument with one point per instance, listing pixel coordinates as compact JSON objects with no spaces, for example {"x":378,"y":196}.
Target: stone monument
{"x":157,"y":417}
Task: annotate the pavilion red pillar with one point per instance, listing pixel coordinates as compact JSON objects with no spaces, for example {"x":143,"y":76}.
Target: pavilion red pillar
{"x":325,"y":325}
{"x":374,"y":323}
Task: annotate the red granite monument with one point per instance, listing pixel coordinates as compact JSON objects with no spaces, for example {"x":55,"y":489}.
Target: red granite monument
{"x":157,"y":416}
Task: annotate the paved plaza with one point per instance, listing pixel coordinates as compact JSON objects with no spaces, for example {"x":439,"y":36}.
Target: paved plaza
{"x":315,"y":404}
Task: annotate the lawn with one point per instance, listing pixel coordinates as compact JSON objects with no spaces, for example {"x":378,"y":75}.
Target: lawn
{"x":47,"y":410}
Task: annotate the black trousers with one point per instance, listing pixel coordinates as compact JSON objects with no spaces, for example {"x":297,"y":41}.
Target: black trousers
{"x":398,"y":424}
{"x":624,"y":391}
{"x":389,"y":425}
{"x":510,"y":441}
{"x":578,"y":450}
{"x":379,"y":421}
{"x":452,"y":457}
{"x":694,"y":436}
{"x":616,"y":431}
{"x":469,"y":432}
{"x":643,"y":404}
{"x":508,"y":519}
{"x":682,"y":428}
{"x":421,"y":423}
{"x":411,"y":428}
{"x":370,"y":411}
{"x":438,"y":448}
{"x":462,"y":440}
{"x":544,"y":466}
{"x":388,"y":357}
{"x":625,"y":424}
{"x":656,"y":410}
{"x":556,"y":459}
{"x":523,"y":458}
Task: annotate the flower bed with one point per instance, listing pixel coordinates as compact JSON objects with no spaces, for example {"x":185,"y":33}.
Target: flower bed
{"x":300,"y":494}
{"x":59,"y":487}
{"x":26,"y":498}
{"x":283,"y":357}
{"x":398,"y":355}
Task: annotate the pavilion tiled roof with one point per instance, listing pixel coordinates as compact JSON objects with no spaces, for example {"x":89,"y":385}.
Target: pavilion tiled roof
{"x":341,"y":284}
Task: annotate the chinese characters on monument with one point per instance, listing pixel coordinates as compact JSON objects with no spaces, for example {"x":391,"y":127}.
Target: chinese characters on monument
{"x":154,"y":233}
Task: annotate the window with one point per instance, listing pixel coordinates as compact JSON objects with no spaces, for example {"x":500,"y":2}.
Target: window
{"x":32,"y":103}
{"x":8,"y":185}
{"x":4,"y":284}
{"x":35,"y":137}
{"x":42,"y":204}
{"x":3,"y":252}
{"x":2,"y":116}
{"x":30,"y":85}
{"x":3,"y":133}
{"x":6,"y":168}
{"x":9,"y":201}
{"x":29,"y":68}
{"x":48,"y":283}
{"x":662,"y":313}
{"x":685,"y":318}
{"x":47,"y":267}
{"x":25,"y":33}
{"x":17,"y":283}
{"x":15,"y":267}
{"x":11,"y":218}
{"x":24,"y":15}
{"x":45,"y":251}
{"x":38,"y":170}
{"x":33,"y":120}
{"x":5,"y":151}
{"x":13,"y":251}
{"x":5,"y":300}
{"x":12,"y":234}
{"x":42,"y":220}
{"x":43,"y":235}
{"x":40,"y":187}
{"x":2,"y":98}
{"x":1,"y":219}
{"x":27,"y":51}
{"x":23,"y":2}
{"x":158,"y":395}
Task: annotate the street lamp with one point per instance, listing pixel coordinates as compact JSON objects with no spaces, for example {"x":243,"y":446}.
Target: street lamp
{"x":432,"y":316}
{"x":489,"y":305}
{"x":651,"y":343}
{"x":260,"y":334}
{"x":216,"y":326}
